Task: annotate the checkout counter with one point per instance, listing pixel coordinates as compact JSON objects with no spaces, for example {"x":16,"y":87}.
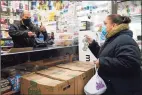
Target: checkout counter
{"x":12,"y":63}
{"x":15,"y":58}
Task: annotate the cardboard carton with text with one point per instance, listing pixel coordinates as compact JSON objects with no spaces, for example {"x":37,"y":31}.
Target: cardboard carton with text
{"x":34,"y":84}
{"x":87,"y":68}
{"x":74,"y":78}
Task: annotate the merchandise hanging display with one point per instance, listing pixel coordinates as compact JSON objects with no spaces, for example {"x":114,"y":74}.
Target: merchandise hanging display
{"x":129,"y":8}
{"x":10,"y":12}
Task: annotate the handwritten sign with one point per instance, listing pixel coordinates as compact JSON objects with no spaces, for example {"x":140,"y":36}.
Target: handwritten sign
{"x":85,"y":54}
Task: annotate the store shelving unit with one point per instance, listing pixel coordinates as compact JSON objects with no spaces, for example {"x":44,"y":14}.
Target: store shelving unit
{"x":7,"y":14}
{"x":6,"y":46}
{"x":12,"y":59}
{"x":4,"y":29}
{"x":6,"y":38}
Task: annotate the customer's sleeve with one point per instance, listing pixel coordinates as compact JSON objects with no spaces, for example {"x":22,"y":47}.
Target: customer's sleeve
{"x":14,"y":31}
{"x":126,"y":60}
{"x":94,"y":48}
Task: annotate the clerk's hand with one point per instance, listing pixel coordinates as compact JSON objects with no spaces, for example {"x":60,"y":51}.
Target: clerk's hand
{"x":42,"y":28}
{"x":97,"y":63}
{"x":89,"y":39}
{"x":31,"y":34}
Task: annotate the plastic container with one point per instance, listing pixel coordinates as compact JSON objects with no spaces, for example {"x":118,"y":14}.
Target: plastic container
{"x":41,"y":37}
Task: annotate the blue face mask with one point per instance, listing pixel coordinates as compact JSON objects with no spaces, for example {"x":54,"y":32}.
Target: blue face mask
{"x":103,"y":33}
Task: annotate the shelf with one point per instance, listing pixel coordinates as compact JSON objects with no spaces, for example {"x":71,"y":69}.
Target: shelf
{"x":4,"y":29}
{"x":6,"y":38}
{"x":120,"y":1}
{"x":62,"y":48}
{"x":139,"y":42}
{"x":3,"y":16}
{"x":135,"y":15}
{"x":4,"y":6}
{"x":9,"y":93}
{"x":6,"y":46}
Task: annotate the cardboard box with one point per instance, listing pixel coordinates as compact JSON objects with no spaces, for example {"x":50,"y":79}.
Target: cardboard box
{"x":77,"y":66}
{"x":74,"y":78}
{"x":34,"y":84}
{"x":53,"y":62}
{"x":87,"y":68}
{"x":84,"y":64}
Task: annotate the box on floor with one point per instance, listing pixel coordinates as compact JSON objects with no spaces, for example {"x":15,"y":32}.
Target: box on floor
{"x":77,"y":66}
{"x":86,"y":68}
{"x":33,"y":84}
{"x":54,"y":61}
{"x":74,"y":78}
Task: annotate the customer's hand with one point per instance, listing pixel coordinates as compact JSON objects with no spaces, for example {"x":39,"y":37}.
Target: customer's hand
{"x":89,"y":39}
{"x":31,"y":34}
{"x":97,"y":63}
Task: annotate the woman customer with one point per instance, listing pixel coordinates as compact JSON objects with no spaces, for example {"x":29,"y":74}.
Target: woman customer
{"x":119,"y":58}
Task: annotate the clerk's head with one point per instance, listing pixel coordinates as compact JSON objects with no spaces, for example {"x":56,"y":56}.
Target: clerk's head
{"x":26,"y":18}
{"x":114,"y":20}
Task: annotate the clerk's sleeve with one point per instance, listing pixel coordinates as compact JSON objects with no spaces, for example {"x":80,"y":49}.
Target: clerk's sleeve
{"x":94,"y":48}
{"x":126,"y":60}
{"x":35,"y":29}
{"x":14,"y":31}
{"x":45,"y":36}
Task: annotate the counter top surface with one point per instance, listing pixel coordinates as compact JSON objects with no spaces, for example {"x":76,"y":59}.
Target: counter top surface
{"x":39,"y":49}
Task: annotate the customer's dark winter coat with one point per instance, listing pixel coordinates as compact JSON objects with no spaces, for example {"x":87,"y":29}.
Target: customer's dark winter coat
{"x":119,"y":60}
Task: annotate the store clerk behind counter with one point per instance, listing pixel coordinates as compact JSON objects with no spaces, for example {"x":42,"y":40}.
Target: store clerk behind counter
{"x":24,"y":32}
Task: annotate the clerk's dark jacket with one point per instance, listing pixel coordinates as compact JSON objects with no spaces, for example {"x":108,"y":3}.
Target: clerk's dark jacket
{"x":19,"y":34}
{"x":119,"y":64}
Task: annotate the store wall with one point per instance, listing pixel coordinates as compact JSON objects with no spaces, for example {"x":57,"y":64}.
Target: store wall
{"x":136,"y":28}
{"x":94,"y":12}
{"x":133,"y":10}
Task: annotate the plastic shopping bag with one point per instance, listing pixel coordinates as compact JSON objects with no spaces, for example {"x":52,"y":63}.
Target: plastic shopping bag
{"x":96,"y":85}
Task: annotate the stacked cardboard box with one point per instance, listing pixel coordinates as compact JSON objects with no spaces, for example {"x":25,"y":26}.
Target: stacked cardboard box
{"x":72,"y":77}
{"x":34,"y":84}
{"x":68,"y":79}
{"x":86,"y":68}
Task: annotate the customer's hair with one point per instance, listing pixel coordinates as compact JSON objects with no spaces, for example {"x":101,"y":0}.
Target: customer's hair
{"x":118,"y":19}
